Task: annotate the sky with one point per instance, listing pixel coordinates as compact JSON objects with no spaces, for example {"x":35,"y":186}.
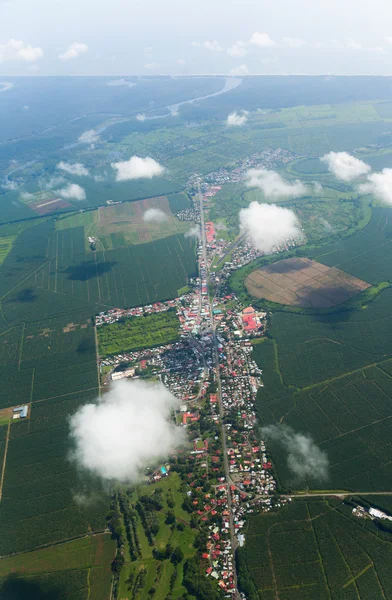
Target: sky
{"x":239,"y":37}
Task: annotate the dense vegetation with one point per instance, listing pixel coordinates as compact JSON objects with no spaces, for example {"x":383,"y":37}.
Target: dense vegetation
{"x":135,"y":333}
{"x":316,"y":549}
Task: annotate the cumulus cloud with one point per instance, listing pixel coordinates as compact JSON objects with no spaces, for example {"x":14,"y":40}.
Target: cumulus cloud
{"x":73,"y":191}
{"x":10,"y":185}
{"x":140,"y":117}
{"x":353,"y":45}
{"x":239,"y":71}
{"x":6,"y":85}
{"x":238,"y":49}
{"x":267,"y":226}
{"x":262,"y":40}
{"x":380,"y":185}
{"x":273,"y":186}
{"x":237,"y":119}
{"x":211,"y":45}
{"x":73,"y":168}
{"x":154,"y":215}
{"x":151,"y":66}
{"x":137,"y":168}
{"x":19,"y":50}
{"x":318,"y":188}
{"x":73,"y":51}
{"x":193,"y":232}
{"x":293,"y":42}
{"x":51,"y":183}
{"x":89,"y":137}
{"x":128,"y":430}
{"x":304,"y":459}
{"x":26,"y":196}
{"x":344,"y":166}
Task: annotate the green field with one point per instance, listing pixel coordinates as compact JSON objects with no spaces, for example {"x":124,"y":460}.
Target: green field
{"x":79,"y":569}
{"x":162,"y":575}
{"x":135,"y":333}
{"x":316,"y":549}
{"x":122,"y":225}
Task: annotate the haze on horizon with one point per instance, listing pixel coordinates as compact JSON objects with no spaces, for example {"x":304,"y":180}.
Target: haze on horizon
{"x":151,"y":37}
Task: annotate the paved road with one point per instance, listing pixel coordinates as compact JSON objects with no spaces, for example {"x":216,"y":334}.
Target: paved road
{"x":219,"y":392}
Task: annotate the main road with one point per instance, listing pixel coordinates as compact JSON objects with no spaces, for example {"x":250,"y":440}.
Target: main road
{"x":204,"y":272}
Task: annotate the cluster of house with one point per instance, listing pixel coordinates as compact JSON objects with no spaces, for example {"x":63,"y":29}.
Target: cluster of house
{"x":370,"y":513}
{"x":115,"y":314}
{"x":268,"y":158}
{"x":20,"y":412}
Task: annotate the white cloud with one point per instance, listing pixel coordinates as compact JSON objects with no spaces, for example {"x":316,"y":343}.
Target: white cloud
{"x":389,"y":40}
{"x":151,"y":66}
{"x":380,"y":185}
{"x":267,"y":226}
{"x":73,"y":51}
{"x":26,"y":196}
{"x":9,"y":185}
{"x":193,"y":232}
{"x":211,"y":45}
{"x":318,"y":188}
{"x":89,"y":137}
{"x":237,"y":119}
{"x":19,"y":50}
{"x":273,"y":186}
{"x":137,"y":168}
{"x":140,"y":117}
{"x":345,"y":166}
{"x":73,"y":168}
{"x":72,"y":191}
{"x":148,"y":51}
{"x":238,"y":49}
{"x":127,"y":431}
{"x":262,"y":40}
{"x":154,"y":215}
{"x":120,"y":83}
{"x":353,"y":45}
{"x":239,"y":71}
{"x":304,"y":459}
{"x":181,"y":61}
{"x":293,"y":42}
{"x":6,"y":85}
{"x":49,"y":184}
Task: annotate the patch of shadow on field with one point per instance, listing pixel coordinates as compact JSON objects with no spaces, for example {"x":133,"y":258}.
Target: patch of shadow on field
{"x":86,"y":270}
{"x":17,"y":588}
{"x":326,"y":297}
{"x":86,"y":346}
{"x":287,"y":266}
{"x":26,"y":295}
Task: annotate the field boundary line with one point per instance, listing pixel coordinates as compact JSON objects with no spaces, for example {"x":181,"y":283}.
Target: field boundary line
{"x":320,"y":558}
{"x":23,"y":280}
{"x":58,"y":543}
{"x":63,"y":395}
{"x":5,"y":459}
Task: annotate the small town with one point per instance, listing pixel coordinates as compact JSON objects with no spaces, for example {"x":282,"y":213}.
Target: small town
{"x":211,"y":371}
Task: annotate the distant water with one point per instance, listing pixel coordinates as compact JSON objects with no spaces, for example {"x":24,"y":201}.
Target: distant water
{"x":230,"y":84}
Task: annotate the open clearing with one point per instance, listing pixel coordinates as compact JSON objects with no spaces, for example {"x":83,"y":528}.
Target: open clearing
{"x":303,"y":282}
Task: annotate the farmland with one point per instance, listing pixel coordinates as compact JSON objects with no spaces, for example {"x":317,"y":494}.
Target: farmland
{"x":123,"y":224}
{"x":302,"y":282}
{"x":135,"y":333}
{"x":80,"y":567}
{"x":316,"y":549}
